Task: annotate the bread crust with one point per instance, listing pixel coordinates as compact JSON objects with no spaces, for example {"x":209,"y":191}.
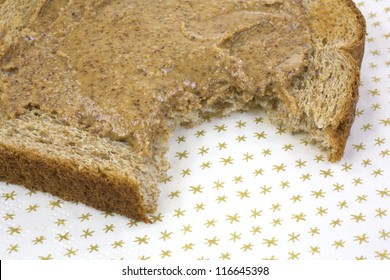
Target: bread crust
{"x":65,"y":179}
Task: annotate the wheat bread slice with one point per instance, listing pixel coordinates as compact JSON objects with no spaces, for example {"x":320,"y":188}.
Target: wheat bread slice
{"x":44,"y":152}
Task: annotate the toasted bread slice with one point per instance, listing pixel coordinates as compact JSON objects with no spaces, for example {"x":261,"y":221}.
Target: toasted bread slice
{"x":40,"y":149}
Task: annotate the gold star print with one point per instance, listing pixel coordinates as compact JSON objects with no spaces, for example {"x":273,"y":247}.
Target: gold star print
{"x":293,"y":255}
{"x":296,"y":198}
{"x":255,"y":230}
{"x":372,"y":65}
{"x":13,"y":248}
{"x":205,"y":165}
{"x":222,"y":146}
{"x":318,"y":194}
{"x":210,"y":223}
{"x":233,"y":218}
{"x":385,"y":122}
{"x":382,"y":255}
{"x":288,"y":147}
{"x":93,"y":248}
{"x":314,"y":231}
{"x":180,"y":139}
{"x":222,"y":198}
{"x":280,"y":130}
{"x":339,"y":244}
{"x":246,"y":247}
{"x":336,"y":222}
{"x":108,"y":228}
{"x":60,"y":222}
{"x":377,"y":172}
{"x":379,"y":141}
{"x":248,"y":157}
{"x":366,"y":162}
{"x":39,"y":240}
{"x":372,"y":15}
{"x":361,"y":198}
{"x":213,"y":241}
{"x":107,"y":214}
{"x":185,"y":172}
{"x":165,"y":254}
{"x":240,"y":124}
{"x":243,"y":194}
{"x":200,"y":133}
{"x":181,"y":155}
{"x":346,"y":167}
{"x":31,"y":192}
{"x":62,"y":237}
{"x":293,"y":237}
{"x":46,"y":258}
{"x":197,"y":189}
{"x":358,"y":218}
{"x":361,"y":238}
{"x":259,"y":120}
{"x":305,"y":177}
{"x":226,"y":161}
{"x":255,"y":213}
{"x":55,"y":203}
{"x":342,"y":204}
{"x":203,"y":151}
{"x":376,"y":79}
{"x":322,"y":211}
{"x":279,"y":168}
{"x":266,"y":152}
{"x":258,"y":172}
{"x":142,"y":240}
{"x":304,"y":142}
{"x":314,"y":250}
{"x":285,"y":184}
{"x":225,"y":256}
{"x":9,"y":196}
{"x":237,"y":179}
{"x":32,"y":208}
{"x":235,"y":236}
{"x":144,"y":258}
{"x":384,"y":153}
{"x":276,"y":222}
{"x":300,"y":163}
{"x":260,"y":135}
{"x":241,"y":138}
{"x":375,"y":53}
{"x":380,"y":213}
{"x":70,"y":252}
{"x":14,"y":230}
{"x":165,"y":235}
{"x":85,"y":217}
{"x":275,"y":207}
{"x":359,"y":147}
{"x":265,"y":190}
{"x":218,"y":185}
{"x":199,"y":206}
{"x":179,"y":213}
{"x":9,"y":216}
{"x":384,"y":234}
{"x":319,"y":158}
{"x":220,"y":128}
{"x":117,"y":244}
{"x":326,"y":173}
{"x":270,"y":242}
{"x":383,"y":193}
{"x":166,"y":179}
{"x":87,"y":233}
{"x":186,"y":229}
{"x":157,"y":218}
{"x":357,"y":181}
{"x":338,"y":187}
{"x":375,"y":106}
{"x":188,"y":246}
{"x":174,"y":194}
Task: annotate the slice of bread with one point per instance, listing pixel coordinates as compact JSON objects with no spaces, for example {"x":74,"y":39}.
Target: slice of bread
{"x":42,"y":150}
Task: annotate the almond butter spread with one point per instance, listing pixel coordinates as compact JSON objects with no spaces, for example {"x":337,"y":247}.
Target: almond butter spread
{"x":120,"y":68}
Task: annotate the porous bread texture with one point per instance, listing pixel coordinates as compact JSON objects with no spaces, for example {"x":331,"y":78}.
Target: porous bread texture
{"x":40,"y":151}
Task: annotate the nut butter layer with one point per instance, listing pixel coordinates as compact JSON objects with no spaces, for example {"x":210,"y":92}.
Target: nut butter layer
{"x":122,"y":69}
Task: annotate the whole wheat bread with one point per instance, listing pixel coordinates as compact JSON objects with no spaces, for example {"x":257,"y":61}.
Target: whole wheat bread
{"x":41,"y":150}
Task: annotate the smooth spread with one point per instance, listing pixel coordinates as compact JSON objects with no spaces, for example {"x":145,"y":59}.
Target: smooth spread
{"x":119,"y":68}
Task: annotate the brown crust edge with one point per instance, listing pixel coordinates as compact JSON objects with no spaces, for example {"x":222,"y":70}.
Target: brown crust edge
{"x":354,"y":51}
{"x":65,"y":179}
